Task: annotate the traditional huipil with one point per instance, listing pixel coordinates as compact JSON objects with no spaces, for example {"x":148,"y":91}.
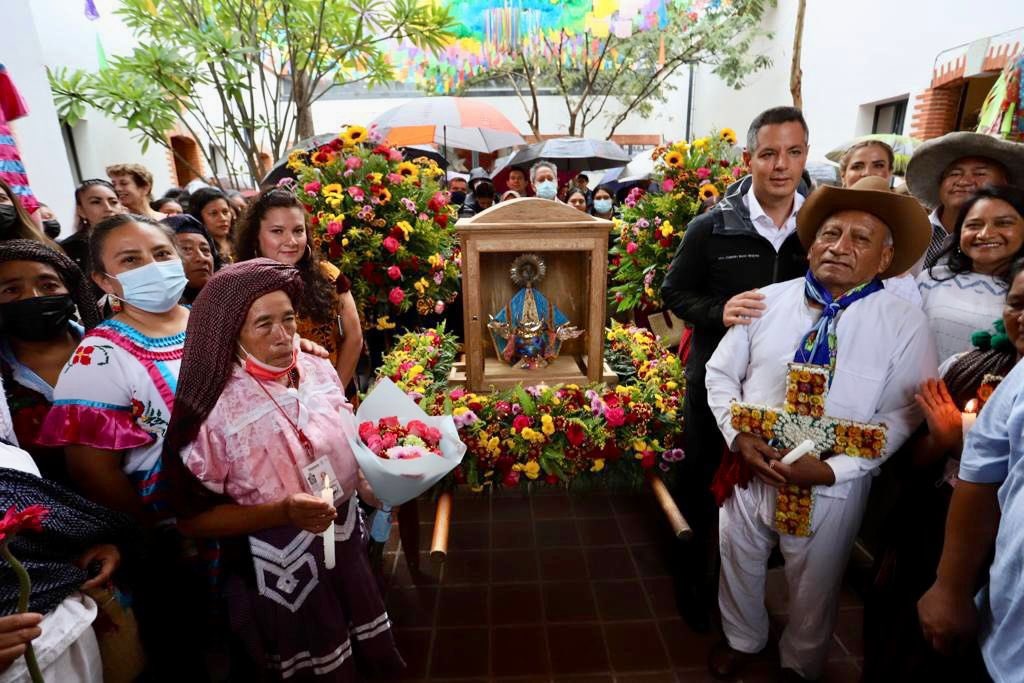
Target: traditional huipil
{"x":254,"y":441}
{"x":874,"y":350}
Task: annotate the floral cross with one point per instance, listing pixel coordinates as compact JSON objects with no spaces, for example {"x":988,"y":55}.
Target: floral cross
{"x":802,"y":417}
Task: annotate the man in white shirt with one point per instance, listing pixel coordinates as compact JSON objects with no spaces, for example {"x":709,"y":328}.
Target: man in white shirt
{"x":879,"y":350}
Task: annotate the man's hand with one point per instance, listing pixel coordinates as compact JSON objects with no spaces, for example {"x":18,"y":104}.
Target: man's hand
{"x":761,"y":458}
{"x":948,"y":617}
{"x":945,"y":423}
{"x":108,"y":557}
{"x":15,"y":631}
{"x":806,"y":471}
{"x":743,"y":308}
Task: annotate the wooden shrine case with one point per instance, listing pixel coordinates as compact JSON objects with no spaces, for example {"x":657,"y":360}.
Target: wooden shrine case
{"x":574,"y":247}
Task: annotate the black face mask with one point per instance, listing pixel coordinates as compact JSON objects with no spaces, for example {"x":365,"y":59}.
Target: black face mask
{"x":51,"y":226}
{"x":8,"y":217}
{"x":39,"y":319}
{"x":458,"y":197}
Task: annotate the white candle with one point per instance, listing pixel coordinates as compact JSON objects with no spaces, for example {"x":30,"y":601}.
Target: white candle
{"x":805,"y":447}
{"x":968,"y":417}
{"x":327,"y":495}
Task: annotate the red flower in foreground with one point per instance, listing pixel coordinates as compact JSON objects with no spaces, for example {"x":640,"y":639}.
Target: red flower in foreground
{"x":29,"y":519}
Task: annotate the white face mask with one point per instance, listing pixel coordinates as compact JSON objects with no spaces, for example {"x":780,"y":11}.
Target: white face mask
{"x":547,"y":189}
{"x":155,"y":287}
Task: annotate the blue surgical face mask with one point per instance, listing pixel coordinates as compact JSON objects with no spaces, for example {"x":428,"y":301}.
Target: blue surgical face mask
{"x":155,"y":287}
{"x":547,"y":189}
{"x":602,"y":205}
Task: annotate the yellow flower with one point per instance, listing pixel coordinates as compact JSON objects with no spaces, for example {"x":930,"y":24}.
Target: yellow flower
{"x":414,"y":371}
{"x":421,"y":285}
{"x":374,"y":178}
{"x":384,"y":324}
{"x":700,"y":143}
{"x":332,"y":189}
{"x":408,"y":170}
{"x":405,"y":228}
{"x":344,"y":241}
{"x":547,"y":425}
{"x":384,"y":195}
{"x":598,"y":465}
{"x":670,"y":385}
{"x":728,"y":135}
{"x":708,"y":191}
{"x":639,"y":445}
{"x":649,"y":291}
{"x":353,"y":135}
{"x":435,"y":261}
{"x":666,"y":230}
{"x":460,"y":410}
{"x":675,"y":159}
{"x":682,"y":146}
{"x":531,"y":469}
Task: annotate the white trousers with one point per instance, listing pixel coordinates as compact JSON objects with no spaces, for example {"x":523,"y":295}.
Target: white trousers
{"x":814,"y":571}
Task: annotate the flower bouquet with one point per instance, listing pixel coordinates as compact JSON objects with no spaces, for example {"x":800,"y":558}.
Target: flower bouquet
{"x":690,"y":175}
{"x":401,"y":450}
{"x":383,"y":221}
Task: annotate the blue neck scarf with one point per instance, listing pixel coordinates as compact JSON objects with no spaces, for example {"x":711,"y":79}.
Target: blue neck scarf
{"x":819,"y":344}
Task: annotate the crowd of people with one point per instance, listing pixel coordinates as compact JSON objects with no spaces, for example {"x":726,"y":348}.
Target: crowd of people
{"x":175,"y":377}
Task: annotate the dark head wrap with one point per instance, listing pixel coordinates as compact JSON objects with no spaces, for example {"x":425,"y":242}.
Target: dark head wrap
{"x":184,"y":222}
{"x":211,"y":339}
{"x":74,"y":281}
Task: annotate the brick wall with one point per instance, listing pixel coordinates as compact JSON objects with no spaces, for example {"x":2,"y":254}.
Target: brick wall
{"x":935,"y":110}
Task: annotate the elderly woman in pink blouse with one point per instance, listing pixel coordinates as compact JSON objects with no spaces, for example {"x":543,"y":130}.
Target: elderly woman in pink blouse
{"x":256,"y":428}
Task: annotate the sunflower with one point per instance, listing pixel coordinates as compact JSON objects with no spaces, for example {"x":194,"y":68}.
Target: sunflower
{"x":700,"y":143}
{"x":384,"y":195}
{"x":353,"y":135}
{"x":708,"y":191}
{"x":408,"y":170}
{"x":728,"y":135}
{"x":332,"y":190}
{"x":674,"y":158}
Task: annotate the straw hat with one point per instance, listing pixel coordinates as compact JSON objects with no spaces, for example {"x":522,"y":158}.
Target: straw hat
{"x":931,"y":159}
{"x":907,"y":221}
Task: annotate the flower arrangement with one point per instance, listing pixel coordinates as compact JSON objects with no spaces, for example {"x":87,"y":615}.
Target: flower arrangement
{"x":419,"y":363}
{"x":383,"y":221}
{"x":389,"y":439}
{"x":13,"y":522}
{"x":690,"y":175}
{"x":566,"y":433}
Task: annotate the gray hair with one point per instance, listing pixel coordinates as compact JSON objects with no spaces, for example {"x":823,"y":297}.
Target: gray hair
{"x":771,"y":117}
{"x":539,"y":165}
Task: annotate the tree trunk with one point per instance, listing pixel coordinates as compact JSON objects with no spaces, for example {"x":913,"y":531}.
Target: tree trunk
{"x":795,"y":72}
{"x":303,"y":109}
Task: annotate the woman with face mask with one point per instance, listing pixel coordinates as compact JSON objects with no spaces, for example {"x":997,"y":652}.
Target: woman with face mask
{"x":15,"y":222}
{"x":604,"y":203}
{"x":41,"y":291}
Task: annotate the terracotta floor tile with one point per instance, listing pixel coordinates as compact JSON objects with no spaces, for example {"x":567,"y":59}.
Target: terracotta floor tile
{"x":570,"y":601}
{"x":519,"y":651}
{"x":512,"y":509}
{"x":635,"y":646}
{"x":576,"y":649}
{"x":509,"y":535}
{"x":552,"y":507}
{"x":592,"y":505}
{"x":686,"y":648}
{"x":513,"y":565}
{"x":463,"y":606}
{"x":850,"y":631}
{"x":412,"y":606}
{"x":562,"y":564}
{"x":841,"y":671}
{"x":662,"y":594}
{"x":656,"y":677}
{"x":470,"y":509}
{"x":696,"y":675}
{"x":467,"y":567}
{"x":598,"y":531}
{"x":610,"y":563}
{"x":593,"y":678}
{"x":516,"y":603}
{"x":639,"y":528}
{"x":461,"y":652}
{"x":552,"y":533}
{"x":414,"y":646}
{"x":621,"y":600}
{"x":468,"y":536}
{"x":651,"y":560}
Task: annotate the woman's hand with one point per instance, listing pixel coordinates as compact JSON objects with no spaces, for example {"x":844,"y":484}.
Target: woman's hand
{"x":109,"y":558}
{"x":15,"y":631}
{"x":308,"y":512}
{"x":945,"y":424}
{"x":313,"y":349}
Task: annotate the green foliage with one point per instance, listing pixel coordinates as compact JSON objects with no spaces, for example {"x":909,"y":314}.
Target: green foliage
{"x":233,"y":50}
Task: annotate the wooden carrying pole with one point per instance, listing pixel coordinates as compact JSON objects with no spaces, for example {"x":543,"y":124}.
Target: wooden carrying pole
{"x":442,"y":520}
{"x":676,"y":520}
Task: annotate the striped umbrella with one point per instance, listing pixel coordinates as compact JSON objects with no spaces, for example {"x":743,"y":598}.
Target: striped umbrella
{"x":454,"y":122}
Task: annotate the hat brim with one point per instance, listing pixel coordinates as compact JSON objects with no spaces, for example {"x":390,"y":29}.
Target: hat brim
{"x":931,"y":159}
{"x":907,"y":220}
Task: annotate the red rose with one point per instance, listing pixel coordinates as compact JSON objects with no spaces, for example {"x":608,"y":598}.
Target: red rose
{"x":521,"y":422}
{"x":511,"y":478}
{"x":396,"y":296}
{"x":441,"y":219}
{"x":391,"y":244}
{"x":395,"y":273}
{"x":575,"y":434}
{"x":616,"y":417}
{"x":551,"y":479}
{"x":647,"y":462}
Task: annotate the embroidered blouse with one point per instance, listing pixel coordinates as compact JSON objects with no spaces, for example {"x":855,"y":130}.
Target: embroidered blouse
{"x":116,"y":393}
{"x":248,"y":447}
{"x":958,"y":306}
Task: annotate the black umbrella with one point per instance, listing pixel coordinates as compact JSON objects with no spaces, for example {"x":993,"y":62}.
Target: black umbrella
{"x":572,"y":154}
{"x":280,"y":169}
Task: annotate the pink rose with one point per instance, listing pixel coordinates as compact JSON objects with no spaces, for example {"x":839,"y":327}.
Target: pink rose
{"x":391,"y":244}
{"x":356,"y":193}
{"x":615,"y":416}
{"x":703,"y":173}
{"x":396,"y":296}
{"x":352,"y":163}
{"x":311,"y":188}
{"x":395,"y":178}
{"x":631,"y":248}
{"x":457,"y":393}
{"x":521,"y":422}
{"x":395,"y":273}
{"x":389,"y":440}
{"x":366,"y":430}
{"x":668,"y":185}
{"x":374,"y":443}
{"x":390,"y":423}
{"x":333,"y":228}
{"x":394,"y":155}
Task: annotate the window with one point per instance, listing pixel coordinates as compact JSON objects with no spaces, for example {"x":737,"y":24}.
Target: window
{"x":889,"y":117}
{"x":72,"y":151}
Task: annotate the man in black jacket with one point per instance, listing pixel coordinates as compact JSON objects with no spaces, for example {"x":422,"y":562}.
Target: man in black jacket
{"x":747,"y":240}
